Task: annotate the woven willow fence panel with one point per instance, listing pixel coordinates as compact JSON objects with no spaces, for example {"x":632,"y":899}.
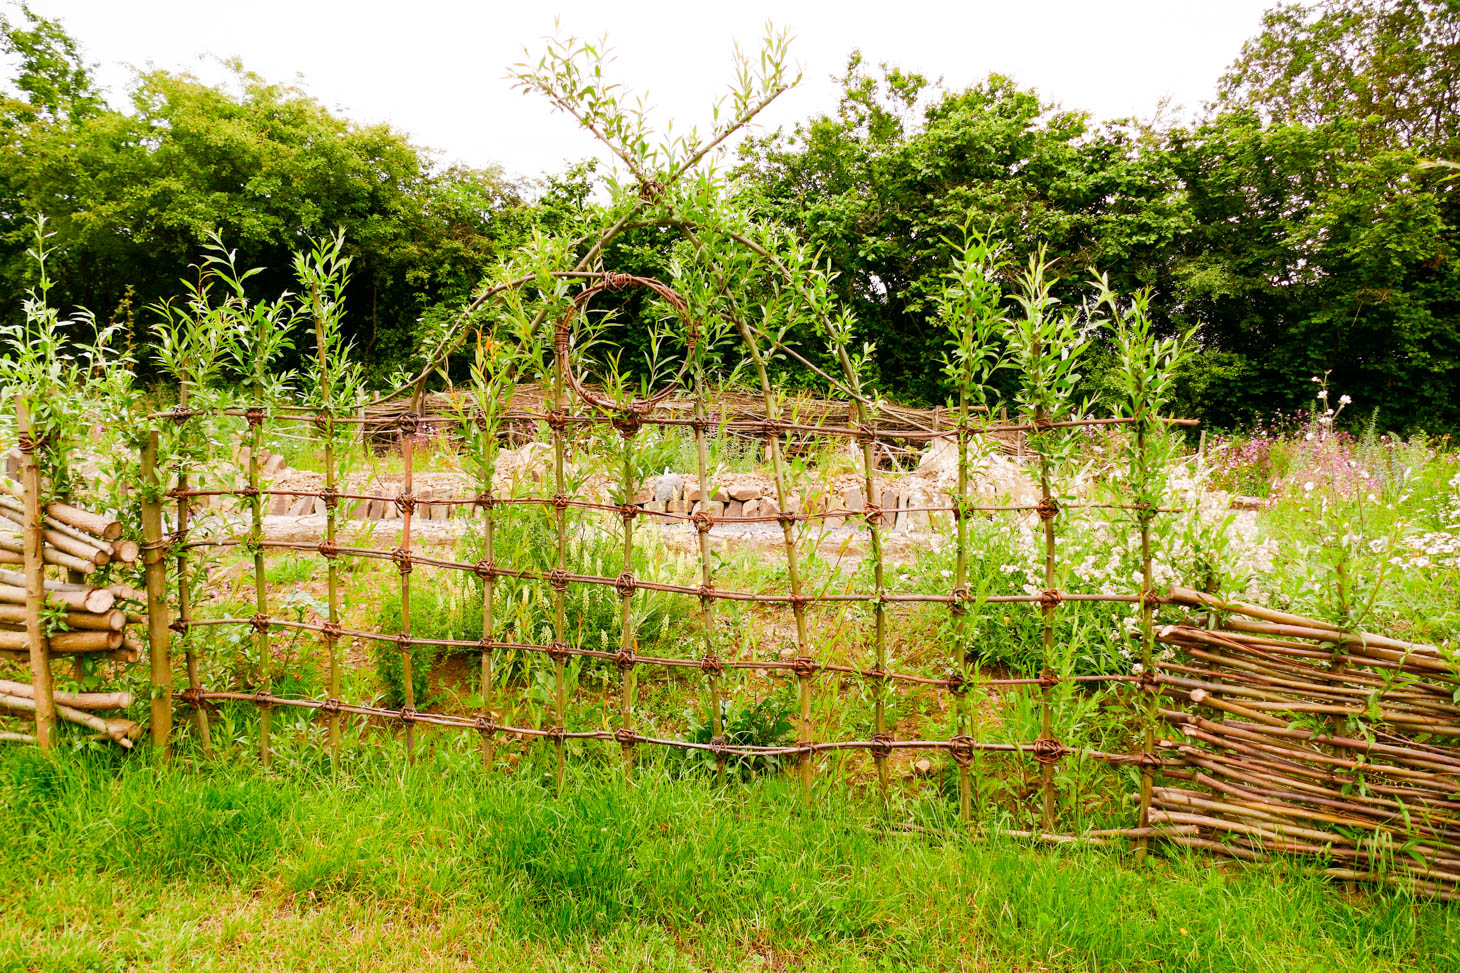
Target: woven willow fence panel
{"x":1220,"y":764}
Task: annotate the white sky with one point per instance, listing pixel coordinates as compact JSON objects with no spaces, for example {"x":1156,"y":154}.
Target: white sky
{"x":436,"y":69}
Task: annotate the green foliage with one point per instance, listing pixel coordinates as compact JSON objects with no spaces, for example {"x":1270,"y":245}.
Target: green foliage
{"x":133,"y":194}
{"x":1389,"y":65}
{"x":764,"y":722}
{"x":1312,"y":255}
{"x":51,"y":76}
{"x":882,"y":188}
{"x":437,"y":611}
{"x":1296,"y":239}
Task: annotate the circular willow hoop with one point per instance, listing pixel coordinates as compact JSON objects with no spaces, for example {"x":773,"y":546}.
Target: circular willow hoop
{"x":567,"y":332}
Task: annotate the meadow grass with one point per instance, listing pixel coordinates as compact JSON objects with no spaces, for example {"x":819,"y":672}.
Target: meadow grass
{"x":121,"y":864}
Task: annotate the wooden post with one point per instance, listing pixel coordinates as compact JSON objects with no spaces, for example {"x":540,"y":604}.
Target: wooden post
{"x":879,"y":609}
{"x":489,"y":614}
{"x":1148,"y":660}
{"x":326,"y":423}
{"x":154,"y":554}
{"x":408,"y":502}
{"x":560,"y":520}
{"x":184,"y":597}
{"x":1047,"y":512}
{"x":35,"y":580}
{"x":960,"y":613}
{"x":260,"y":587}
{"x":707,"y":571}
{"x":805,"y":667}
{"x":628,"y":634}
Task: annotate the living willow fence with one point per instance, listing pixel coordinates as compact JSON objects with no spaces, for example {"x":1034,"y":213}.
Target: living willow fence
{"x":1221,"y":764}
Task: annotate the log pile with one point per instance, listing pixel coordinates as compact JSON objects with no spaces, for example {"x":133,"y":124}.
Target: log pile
{"x":78,"y":708}
{"x":79,"y":542}
{"x":443,"y":408}
{"x":1301,"y":738}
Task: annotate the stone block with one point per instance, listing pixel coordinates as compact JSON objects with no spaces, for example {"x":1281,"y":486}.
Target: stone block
{"x":668,"y":487}
{"x":743,"y":491}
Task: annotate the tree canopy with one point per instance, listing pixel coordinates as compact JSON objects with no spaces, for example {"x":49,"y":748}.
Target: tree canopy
{"x":132,"y":195}
{"x":1299,"y":225}
{"x":1296,"y":226}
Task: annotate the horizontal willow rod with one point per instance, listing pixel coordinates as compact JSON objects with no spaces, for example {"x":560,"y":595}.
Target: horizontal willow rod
{"x":404,"y":557}
{"x":764,"y":426}
{"x":1039,"y":749}
{"x":632,"y":510}
{"x":811,"y":667}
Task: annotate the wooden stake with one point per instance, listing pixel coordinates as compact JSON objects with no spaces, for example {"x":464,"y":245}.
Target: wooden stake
{"x":407,"y":450}
{"x":261,"y":595}
{"x":707,"y":572}
{"x":185,"y":597}
{"x":35,"y":591}
{"x":560,"y":521}
{"x":155,"y":567}
{"x":793,"y":564}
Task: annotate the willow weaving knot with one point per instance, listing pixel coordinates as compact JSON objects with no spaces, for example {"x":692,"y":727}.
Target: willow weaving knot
{"x":628,"y":423}
{"x":1047,"y":750}
{"x":402,"y":558}
{"x":804,"y":667}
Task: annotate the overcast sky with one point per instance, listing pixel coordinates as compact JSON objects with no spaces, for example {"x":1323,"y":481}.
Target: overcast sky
{"x":436,"y":69}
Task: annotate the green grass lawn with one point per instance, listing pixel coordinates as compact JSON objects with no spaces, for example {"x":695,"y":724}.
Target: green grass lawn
{"x":122,"y":864}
